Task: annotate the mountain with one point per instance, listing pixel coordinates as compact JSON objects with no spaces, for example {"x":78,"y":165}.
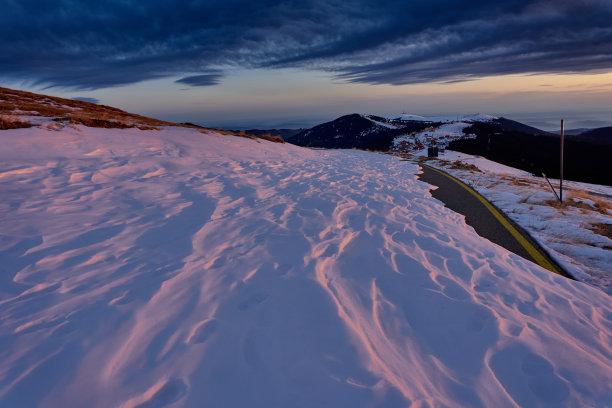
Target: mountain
{"x":384,"y":133}
{"x":602,"y":135}
{"x":500,"y":139}
{"x":512,"y":125}
{"x":283,"y":133}
{"x":357,"y":131}
{"x":572,"y":132}
{"x":599,"y":136}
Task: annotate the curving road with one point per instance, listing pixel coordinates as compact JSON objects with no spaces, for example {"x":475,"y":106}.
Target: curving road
{"x":488,"y":221}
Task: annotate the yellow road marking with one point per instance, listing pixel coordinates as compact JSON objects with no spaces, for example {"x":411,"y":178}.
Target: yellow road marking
{"x":534,"y":253}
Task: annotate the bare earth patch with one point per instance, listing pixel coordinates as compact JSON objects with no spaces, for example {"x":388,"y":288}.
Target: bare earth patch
{"x":459,"y":165}
{"x":602,"y":229}
{"x":9,"y":122}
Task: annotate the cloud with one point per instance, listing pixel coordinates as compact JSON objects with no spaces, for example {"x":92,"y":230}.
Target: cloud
{"x":90,"y":45}
{"x":86,"y":99}
{"x":200,"y":80}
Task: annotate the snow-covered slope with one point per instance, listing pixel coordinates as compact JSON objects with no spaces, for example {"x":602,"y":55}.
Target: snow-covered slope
{"x":378,"y":122}
{"x":476,"y":117}
{"x":175,"y":268}
{"x":442,"y":135}
{"x":444,"y":130}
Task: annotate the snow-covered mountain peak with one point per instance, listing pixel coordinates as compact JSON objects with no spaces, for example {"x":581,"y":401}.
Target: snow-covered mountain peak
{"x":477,"y":117}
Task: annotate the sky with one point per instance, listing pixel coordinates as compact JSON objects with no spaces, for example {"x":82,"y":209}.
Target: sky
{"x":244,"y":63}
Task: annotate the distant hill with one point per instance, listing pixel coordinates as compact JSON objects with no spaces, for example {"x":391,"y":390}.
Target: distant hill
{"x":572,"y":132}
{"x":600,"y":136}
{"x":503,"y":140}
{"x":284,"y":133}
{"x":357,"y":131}
{"x":512,"y":125}
{"x":376,"y":132}
{"x":268,"y":133}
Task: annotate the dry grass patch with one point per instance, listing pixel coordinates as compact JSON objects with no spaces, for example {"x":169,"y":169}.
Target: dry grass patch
{"x":602,"y":229}
{"x":568,"y":203}
{"x":521,"y":182}
{"x":95,"y":122}
{"x":206,"y":131}
{"x":10,"y":122}
{"x":459,"y":165}
{"x":272,"y":138}
{"x":434,"y":159}
{"x":242,"y":133}
{"x":576,"y":200}
{"x":14,"y":102}
{"x":600,"y":204}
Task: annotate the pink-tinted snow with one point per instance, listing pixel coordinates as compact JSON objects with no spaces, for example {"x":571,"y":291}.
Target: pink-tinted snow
{"x":173,"y":268}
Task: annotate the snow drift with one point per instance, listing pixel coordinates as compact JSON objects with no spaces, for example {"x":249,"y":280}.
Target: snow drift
{"x":173,"y":268}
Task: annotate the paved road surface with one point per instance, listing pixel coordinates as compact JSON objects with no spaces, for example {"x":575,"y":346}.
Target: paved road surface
{"x":488,"y":221}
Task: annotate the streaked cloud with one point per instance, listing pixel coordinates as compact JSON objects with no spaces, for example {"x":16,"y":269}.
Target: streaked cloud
{"x":201,"y":80}
{"x":91,"y":45}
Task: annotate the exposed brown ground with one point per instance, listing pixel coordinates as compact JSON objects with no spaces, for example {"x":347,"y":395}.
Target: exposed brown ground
{"x":458,"y":164}
{"x":10,"y":122}
{"x":575,"y":198}
{"x":602,"y":229}
{"x":14,"y":102}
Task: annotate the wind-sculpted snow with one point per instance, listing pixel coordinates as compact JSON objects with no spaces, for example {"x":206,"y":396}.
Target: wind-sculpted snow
{"x":172,"y":268}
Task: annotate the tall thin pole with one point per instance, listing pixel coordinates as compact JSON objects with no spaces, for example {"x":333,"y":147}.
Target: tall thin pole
{"x":561,"y":177}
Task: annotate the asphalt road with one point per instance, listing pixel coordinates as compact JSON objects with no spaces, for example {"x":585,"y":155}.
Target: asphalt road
{"x":488,"y":221}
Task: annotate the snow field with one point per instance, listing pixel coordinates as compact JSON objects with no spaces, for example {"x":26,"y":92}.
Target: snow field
{"x":175,"y":268}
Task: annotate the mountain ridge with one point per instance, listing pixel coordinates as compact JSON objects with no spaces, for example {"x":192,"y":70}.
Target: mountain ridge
{"x":378,"y":132}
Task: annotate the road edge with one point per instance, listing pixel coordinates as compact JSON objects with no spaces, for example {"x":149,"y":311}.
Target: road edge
{"x":535,"y":250}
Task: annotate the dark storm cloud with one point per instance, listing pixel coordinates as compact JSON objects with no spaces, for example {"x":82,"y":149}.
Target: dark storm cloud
{"x":89,"y":45}
{"x":201,"y":80}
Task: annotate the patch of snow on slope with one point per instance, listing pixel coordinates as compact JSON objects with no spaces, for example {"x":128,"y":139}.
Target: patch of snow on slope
{"x":173,"y":268}
{"x":447,"y":130}
{"x":484,"y":164}
{"x":408,"y":116}
{"x":442,"y":134}
{"x":478,"y":117}
{"x":379,"y":123}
